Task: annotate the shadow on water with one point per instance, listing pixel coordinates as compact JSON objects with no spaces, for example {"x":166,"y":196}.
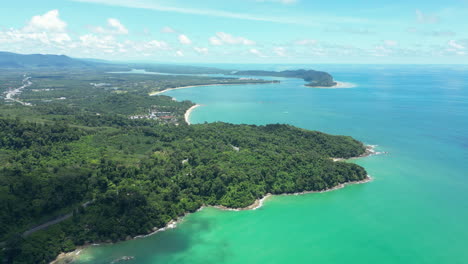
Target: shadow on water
{"x":158,"y":247}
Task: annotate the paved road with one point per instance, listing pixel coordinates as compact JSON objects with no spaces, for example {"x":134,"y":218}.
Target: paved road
{"x":52,"y":222}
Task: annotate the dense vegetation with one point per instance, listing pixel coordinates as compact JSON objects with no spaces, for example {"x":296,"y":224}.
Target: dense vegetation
{"x":140,"y":177}
{"x":137,"y":174}
{"x":314,"y":78}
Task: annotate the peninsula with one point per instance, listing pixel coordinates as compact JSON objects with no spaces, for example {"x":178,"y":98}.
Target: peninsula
{"x":89,"y":157}
{"x":314,"y":78}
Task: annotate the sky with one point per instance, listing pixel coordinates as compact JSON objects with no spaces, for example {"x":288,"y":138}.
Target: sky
{"x":241,"y":31}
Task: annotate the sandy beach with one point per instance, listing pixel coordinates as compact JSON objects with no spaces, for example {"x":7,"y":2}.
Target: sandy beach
{"x":191,"y":86}
{"x":189,"y":111}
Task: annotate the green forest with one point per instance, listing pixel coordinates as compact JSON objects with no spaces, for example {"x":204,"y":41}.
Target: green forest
{"x":121,"y":177}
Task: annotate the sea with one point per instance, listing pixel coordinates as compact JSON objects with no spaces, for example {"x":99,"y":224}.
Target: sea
{"x":414,"y":211}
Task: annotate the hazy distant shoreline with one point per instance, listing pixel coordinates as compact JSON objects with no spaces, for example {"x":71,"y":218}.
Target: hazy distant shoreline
{"x":338,"y":85}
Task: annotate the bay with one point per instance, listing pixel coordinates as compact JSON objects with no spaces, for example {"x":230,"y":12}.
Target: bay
{"x":414,"y":211}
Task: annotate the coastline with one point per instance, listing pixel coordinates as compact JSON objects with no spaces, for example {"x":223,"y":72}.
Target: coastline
{"x":69,"y":257}
{"x":198,"y":85}
{"x":370,"y":151}
{"x":338,"y":85}
{"x":189,"y":112}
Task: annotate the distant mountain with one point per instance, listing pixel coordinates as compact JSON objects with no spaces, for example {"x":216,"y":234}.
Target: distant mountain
{"x":315,"y":78}
{"x":14,"y":60}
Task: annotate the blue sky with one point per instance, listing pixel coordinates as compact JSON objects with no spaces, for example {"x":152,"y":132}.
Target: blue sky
{"x":240,"y":31}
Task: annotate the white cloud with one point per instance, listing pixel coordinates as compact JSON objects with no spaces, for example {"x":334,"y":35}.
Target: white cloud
{"x":179,"y":53}
{"x":256,"y":52}
{"x":455,"y":45}
{"x":225,"y":38}
{"x":201,"y":50}
{"x":183,"y":39}
{"x":49,"y":22}
{"x":98,"y":42}
{"x":306,"y":42}
{"x":215,"y":41}
{"x":114,"y":27}
{"x":168,"y":30}
{"x":280,"y":51}
{"x":117,"y":26}
{"x":158,"y":45}
{"x":426,"y":18}
{"x":46,"y":29}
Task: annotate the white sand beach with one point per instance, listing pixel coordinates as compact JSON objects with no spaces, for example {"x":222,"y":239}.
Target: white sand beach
{"x":189,"y":111}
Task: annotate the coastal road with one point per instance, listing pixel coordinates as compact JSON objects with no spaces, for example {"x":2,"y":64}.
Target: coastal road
{"x":52,"y":222}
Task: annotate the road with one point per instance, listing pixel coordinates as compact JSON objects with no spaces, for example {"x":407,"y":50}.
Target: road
{"x":10,"y":94}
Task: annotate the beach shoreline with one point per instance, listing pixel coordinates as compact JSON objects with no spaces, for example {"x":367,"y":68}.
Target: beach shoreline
{"x":189,"y":112}
{"x":198,"y":85}
{"x":69,"y":257}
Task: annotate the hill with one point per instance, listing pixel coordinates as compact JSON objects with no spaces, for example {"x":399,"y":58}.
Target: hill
{"x":315,"y":78}
{"x":14,"y":60}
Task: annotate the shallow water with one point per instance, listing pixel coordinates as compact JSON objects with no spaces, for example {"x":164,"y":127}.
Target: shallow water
{"x":415,"y":210}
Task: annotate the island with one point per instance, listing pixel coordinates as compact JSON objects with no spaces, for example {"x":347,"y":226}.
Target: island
{"x":87,"y":156}
{"x":314,"y":78}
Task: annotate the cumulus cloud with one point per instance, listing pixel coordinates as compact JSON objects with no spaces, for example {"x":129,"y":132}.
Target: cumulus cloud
{"x":280,"y":51}
{"x":46,"y":29}
{"x":257,"y":53}
{"x":158,"y":45}
{"x":201,"y":50}
{"x":98,"y":42}
{"x":222,"y":38}
{"x":215,"y":41}
{"x":183,"y":39}
{"x":456,"y":45}
{"x":114,"y":27}
{"x":179,"y":53}
{"x":95,"y":44}
{"x":49,"y":22}
{"x":117,"y":26}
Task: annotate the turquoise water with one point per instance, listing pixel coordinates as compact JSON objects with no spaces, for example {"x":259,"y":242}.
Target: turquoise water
{"x":415,"y":210}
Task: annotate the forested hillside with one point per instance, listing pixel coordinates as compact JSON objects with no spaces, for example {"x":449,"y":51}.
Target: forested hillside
{"x":141,"y":176}
{"x":98,"y":139}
